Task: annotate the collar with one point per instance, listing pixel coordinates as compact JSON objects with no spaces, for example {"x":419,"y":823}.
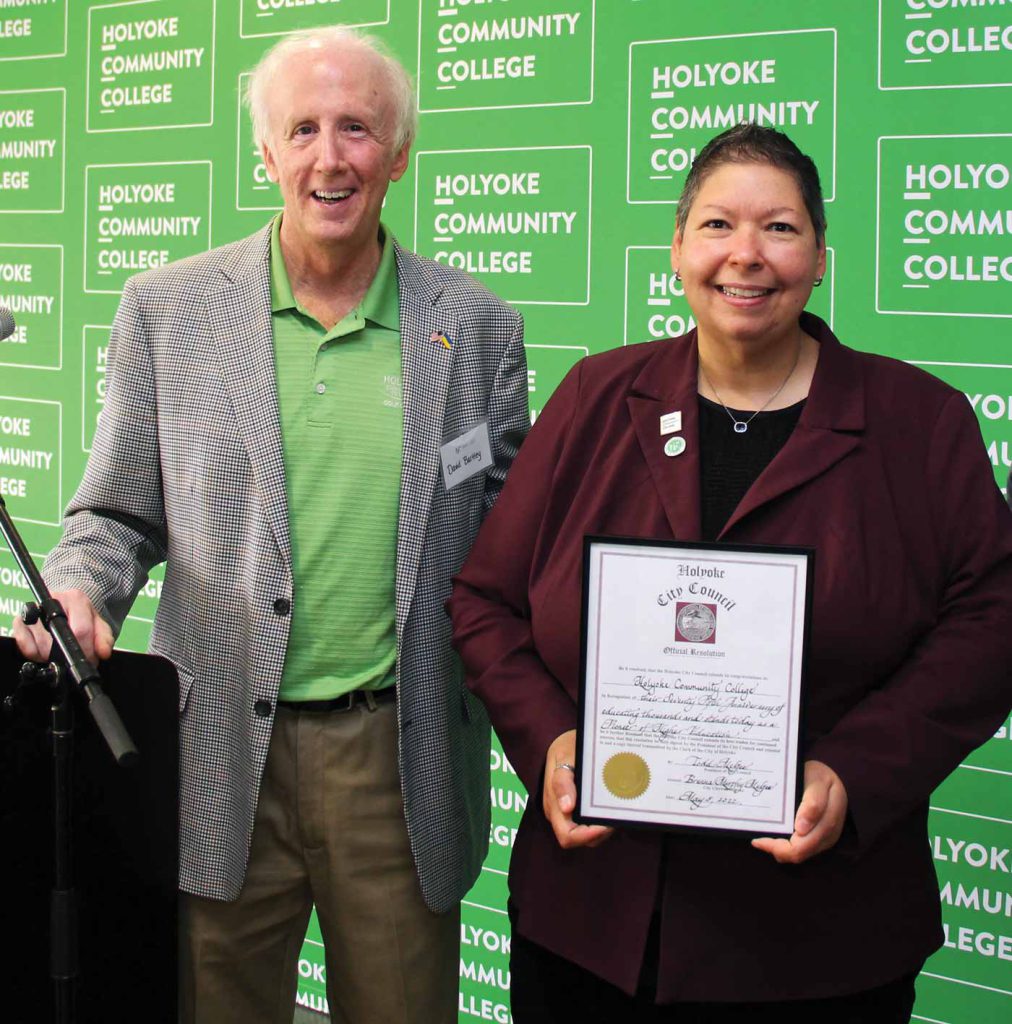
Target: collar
{"x":380,"y":304}
{"x":835,"y":399}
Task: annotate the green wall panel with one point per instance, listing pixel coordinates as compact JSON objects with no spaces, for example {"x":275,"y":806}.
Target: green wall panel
{"x":554,"y":138}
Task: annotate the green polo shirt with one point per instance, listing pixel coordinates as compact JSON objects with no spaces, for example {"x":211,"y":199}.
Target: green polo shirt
{"x":339,"y":397}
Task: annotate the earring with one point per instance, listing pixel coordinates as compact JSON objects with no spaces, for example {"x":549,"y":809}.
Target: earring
{"x":678,"y":276}
{"x":817,"y":282}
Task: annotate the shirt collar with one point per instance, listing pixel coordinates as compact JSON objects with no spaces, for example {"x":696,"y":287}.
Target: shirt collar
{"x":381,"y":303}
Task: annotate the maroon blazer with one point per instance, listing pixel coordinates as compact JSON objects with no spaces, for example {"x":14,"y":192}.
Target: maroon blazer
{"x":886,"y":477}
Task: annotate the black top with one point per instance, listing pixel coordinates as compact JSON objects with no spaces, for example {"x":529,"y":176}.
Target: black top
{"x":730,"y":463}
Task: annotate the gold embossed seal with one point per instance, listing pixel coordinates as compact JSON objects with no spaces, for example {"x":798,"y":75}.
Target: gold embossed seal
{"x":626,"y":775}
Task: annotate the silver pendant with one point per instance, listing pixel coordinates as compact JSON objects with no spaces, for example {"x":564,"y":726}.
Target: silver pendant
{"x":740,"y":426}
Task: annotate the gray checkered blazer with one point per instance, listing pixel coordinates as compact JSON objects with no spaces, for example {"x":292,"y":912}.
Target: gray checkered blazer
{"x":187,"y":468}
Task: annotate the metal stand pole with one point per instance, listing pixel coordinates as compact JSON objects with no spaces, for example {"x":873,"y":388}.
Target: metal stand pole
{"x":63,"y":961}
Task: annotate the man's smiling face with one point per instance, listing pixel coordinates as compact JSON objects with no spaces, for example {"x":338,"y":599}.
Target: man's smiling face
{"x":331,"y":148}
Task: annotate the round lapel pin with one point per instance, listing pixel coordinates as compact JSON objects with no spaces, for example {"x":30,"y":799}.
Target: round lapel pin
{"x":674,"y":446}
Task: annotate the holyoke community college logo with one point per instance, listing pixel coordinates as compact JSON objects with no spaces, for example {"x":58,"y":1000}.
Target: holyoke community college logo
{"x":695,"y":623}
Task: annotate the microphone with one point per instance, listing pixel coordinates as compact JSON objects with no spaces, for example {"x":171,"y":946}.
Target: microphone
{"x":6,"y":323}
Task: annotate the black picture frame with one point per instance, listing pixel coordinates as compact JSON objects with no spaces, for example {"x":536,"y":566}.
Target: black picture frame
{"x":721,"y":548}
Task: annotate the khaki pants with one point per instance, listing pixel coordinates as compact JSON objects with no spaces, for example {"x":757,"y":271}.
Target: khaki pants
{"x":329,"y":829}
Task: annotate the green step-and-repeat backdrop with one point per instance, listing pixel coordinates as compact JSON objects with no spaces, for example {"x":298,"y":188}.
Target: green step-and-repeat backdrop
{"x":555,"y":137}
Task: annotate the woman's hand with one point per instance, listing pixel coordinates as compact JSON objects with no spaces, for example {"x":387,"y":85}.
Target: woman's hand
{"x":819,"y":821}
{"x":559,"y":797}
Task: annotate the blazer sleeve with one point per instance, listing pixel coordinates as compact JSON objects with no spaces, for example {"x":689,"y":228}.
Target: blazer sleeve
{"x":952,"y":691}
{"x":114,"y":527}
{"x":508,"y":416}
{"x":490,"y":603}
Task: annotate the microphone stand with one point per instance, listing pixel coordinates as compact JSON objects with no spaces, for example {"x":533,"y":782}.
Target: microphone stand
{"x":69,"y":670}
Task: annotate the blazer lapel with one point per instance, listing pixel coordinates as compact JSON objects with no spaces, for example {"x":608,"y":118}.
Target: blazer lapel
{"x":425,"y":367}
{"x":667,"y":383}
{"x":240,"y":318}
{"x":829,"y":429}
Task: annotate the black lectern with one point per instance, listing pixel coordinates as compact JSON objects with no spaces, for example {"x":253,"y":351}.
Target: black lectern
{"x":125,"y":835}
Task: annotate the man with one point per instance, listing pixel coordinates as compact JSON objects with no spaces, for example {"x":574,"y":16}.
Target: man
{"x":273,"y":431}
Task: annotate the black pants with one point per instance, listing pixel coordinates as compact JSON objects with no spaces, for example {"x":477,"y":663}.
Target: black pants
{"x":546,"y":989}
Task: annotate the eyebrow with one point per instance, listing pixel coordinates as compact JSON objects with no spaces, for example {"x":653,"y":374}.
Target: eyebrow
{"x":768,"y":213}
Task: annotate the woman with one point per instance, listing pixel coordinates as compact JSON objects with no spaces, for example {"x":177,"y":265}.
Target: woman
{"x":790,"y":439}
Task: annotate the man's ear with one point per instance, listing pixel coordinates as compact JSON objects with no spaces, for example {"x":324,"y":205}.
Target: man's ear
{"x":269,"y":162}
{"x":400,"y":164}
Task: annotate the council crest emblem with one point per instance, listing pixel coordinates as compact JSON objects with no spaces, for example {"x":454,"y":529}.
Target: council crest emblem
{"x":695,"y":623}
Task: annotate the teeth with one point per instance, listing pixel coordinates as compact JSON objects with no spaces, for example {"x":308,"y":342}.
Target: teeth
{"x":342,"y":194}
{"x":744,"y":293}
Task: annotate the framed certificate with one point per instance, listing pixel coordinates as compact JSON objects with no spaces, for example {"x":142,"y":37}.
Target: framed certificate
{"x":691,"y":689}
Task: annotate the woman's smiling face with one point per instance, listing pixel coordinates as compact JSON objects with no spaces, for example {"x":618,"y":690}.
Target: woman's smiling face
{"x":748,"y":255}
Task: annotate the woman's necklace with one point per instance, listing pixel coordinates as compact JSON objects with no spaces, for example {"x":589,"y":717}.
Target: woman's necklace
{"x":740,"y":426}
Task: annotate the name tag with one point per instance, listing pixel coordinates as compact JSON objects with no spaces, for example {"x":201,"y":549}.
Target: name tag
{"x":466,"y":455}
{"x":671,"y":422}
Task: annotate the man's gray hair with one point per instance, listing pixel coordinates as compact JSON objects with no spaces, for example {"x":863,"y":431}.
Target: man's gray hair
{"x":402,"y":88}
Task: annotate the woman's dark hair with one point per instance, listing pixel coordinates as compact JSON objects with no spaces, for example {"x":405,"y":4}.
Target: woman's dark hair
{"x":753,"y":144}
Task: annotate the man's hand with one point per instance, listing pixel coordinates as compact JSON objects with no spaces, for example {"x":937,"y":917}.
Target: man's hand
{"x":93,"y":633}
{"x":819,"y":821}
{"x":559,"y":797}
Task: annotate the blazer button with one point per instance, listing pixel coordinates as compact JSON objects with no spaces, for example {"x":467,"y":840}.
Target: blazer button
{"x":282,"y":606}
{"x":262,"y":708}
